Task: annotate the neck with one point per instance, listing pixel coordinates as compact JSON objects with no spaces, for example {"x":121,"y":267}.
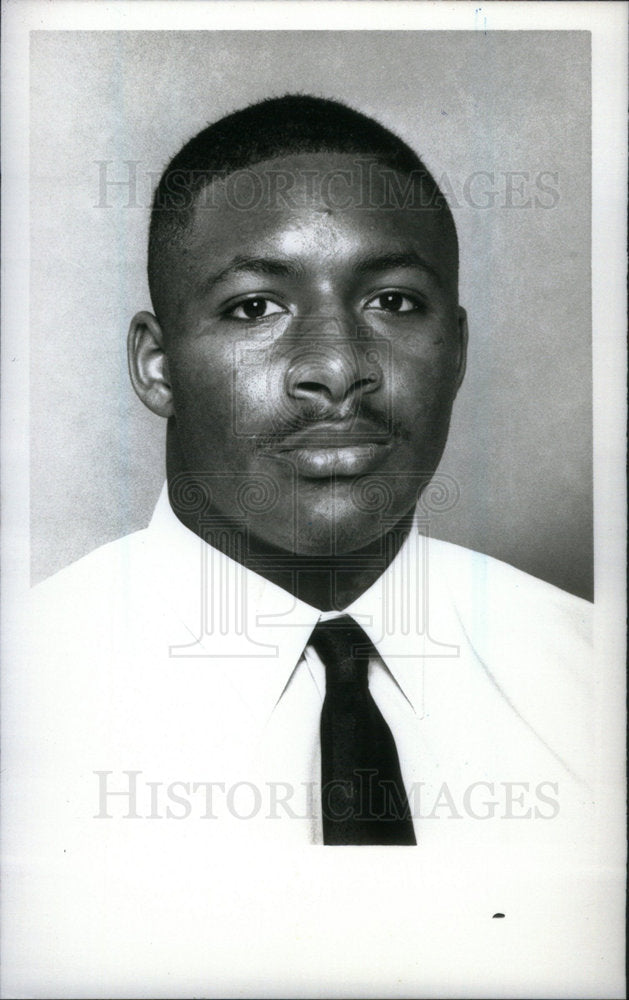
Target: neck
{"x":329,"y":582}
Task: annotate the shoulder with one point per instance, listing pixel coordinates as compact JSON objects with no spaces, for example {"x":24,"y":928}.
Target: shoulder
{"x":99,"y":578}
{"x":531,"y":639}
{"x":109,"y":558}
{"x":496,"y":597}
{"x":104,"y":612}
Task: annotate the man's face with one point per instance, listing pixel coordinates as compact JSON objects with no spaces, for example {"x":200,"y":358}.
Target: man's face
{"x":313,"y":352}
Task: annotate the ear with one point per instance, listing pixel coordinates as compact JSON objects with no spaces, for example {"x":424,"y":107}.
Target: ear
{"x":148,"y":364}
{"x":462,"y":359}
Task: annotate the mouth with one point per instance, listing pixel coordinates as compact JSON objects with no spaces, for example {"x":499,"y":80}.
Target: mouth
{"x":334,"y":450}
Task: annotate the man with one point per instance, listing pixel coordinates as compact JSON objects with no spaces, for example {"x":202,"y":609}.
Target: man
{"x":306,"y":349}
{"x":285,"y":653}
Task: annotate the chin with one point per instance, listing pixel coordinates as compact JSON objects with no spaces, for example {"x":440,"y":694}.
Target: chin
{"x":338,"y":536}
{"x":325,"y":525}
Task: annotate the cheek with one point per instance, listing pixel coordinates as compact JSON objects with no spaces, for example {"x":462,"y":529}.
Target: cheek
{"x":422,"y":381}
{"x":235,"y":368}
{"x":201,"y":387}
{"x":222,"y":399}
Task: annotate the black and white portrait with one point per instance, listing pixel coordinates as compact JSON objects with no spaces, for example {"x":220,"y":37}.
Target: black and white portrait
{"x":314,"y":675}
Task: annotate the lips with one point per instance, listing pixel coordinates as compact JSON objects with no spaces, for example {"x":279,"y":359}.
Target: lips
{"x":327,"y":450}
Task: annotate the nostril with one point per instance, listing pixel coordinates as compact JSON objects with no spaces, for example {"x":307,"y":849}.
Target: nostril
{"x":312,"y":387}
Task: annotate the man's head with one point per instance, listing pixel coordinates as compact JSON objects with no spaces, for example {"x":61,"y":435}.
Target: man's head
{"x":307,"y":343}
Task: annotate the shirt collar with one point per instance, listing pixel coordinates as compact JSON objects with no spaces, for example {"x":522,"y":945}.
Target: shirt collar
{"x":256,"y":630}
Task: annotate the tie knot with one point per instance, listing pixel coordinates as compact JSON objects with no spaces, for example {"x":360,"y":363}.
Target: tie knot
{"x":344,"y":649}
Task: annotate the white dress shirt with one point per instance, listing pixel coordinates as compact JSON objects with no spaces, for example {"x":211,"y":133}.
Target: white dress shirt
{"x":168,"y":722}
{"x":483,"y":675}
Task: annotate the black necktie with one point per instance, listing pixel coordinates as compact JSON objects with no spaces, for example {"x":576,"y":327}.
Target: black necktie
{"x":362,"y":794}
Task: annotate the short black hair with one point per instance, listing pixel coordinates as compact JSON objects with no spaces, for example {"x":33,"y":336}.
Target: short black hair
{"x":275,"y":127}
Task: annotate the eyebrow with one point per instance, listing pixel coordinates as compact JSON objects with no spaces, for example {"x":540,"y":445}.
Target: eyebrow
{"x":279,"y":267}
{"x":408,"y":259}
{"x":286,"y":268}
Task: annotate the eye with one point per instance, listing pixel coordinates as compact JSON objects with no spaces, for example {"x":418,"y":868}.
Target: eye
{"x":393,"y":302}
{"x":255,"y":308}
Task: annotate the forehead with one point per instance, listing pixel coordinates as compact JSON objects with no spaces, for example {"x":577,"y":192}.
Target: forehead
{"x":319,"y":206}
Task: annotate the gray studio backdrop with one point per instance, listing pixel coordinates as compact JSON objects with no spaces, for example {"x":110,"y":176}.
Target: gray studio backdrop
{"x":503,"y":119}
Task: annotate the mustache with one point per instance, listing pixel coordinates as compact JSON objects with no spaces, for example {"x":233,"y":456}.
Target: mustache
{"x":311,"y":417}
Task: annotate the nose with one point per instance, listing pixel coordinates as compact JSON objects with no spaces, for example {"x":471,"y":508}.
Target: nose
{"x":330,"y":369}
